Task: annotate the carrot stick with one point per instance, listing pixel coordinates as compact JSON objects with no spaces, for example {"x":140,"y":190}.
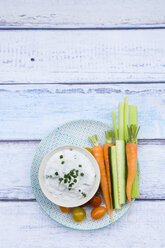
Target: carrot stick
{"x":109,"y":136}
{"x":131,"y":153}
{"x":99,"y":156}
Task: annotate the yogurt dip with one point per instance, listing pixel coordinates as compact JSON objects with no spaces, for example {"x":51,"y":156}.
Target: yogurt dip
{"x":68,"y":174}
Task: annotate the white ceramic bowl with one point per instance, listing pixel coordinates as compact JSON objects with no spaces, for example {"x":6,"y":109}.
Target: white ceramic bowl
{"x":60,"y":201}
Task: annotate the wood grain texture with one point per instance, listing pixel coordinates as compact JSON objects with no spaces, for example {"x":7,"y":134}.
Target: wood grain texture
{"x":30,"y":112}
{"x":82,"y":56}
{"x":82,"y":14}
{"x":24,"y":225}
{"x":16,"y":158}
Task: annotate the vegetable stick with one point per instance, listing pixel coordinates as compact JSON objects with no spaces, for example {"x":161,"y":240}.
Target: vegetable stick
{"x":125,"y":118}
{"x":133,"y":120}
{"x":99,"y":156}
{"x":114,"y":177}
{"x":120,"y":153}
{"x":121,"y":121}
{"x":109,"y":137}
{"x":114,"y":125}
{"x":121,"y":167}
{"x":131,"y":152}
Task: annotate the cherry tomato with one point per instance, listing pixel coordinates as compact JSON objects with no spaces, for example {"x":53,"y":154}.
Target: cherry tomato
{"x":85,"y":204}
{"x":95,"y":201}
{"x":89,"y":150}
{"x":64,"y":210}
{"x":98,"y":213}
{"x":78,"y":214}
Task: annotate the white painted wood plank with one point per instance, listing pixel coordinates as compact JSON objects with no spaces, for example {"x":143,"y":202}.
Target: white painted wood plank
{"x":31,"y":111}
{"x":82,"y":14}
{"x":24,"y":225}
{"x":82,"y":56}
{"x":16,"y":157}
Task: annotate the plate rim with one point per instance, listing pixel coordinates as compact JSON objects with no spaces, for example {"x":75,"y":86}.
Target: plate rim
{"x":44,"y":137}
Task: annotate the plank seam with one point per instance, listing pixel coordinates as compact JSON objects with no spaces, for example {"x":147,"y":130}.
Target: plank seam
{"x":140,"y":141}
{"x":83,"y":28}
{"x":86,"y":83}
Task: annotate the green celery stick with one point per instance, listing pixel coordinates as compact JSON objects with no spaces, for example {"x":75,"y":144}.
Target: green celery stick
{"x":121,"y":121}
{"x":133,"y":120}
{"x":121,"y":167}
{"x":132,"y":115}
{"x":125,"y":118}
{"x":114,"y":125}
{"x":114,"y":177}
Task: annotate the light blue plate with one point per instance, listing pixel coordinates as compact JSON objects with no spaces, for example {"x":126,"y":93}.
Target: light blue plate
{"x":75,"y":133}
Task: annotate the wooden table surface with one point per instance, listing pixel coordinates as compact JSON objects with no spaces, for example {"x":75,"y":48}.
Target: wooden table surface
{"x":65,"y":60}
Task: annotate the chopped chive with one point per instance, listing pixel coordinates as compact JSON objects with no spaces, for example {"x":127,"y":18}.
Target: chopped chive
{"x":56,"y":173}
{"x":83,"y":194}
{"x":79,"y":190}
{"x":80,"y":165}
{"x":60,"y":179}
{"x":82,"y":174}
{"x":69,"y":189}
{"x":62,"y":162}
{"x":61,"y":156}
{"x":65,"y":180}
{"x":75,"y":180}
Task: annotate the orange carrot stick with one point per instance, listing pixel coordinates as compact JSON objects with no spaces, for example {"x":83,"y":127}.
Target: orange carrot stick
{"x":131,"y":153}
{"x":99,"y":156}
{"x":108,"y":135}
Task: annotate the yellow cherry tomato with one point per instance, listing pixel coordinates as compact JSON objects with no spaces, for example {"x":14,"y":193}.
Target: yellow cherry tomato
{"x":78,"y":214}
{"x":89,"y":150}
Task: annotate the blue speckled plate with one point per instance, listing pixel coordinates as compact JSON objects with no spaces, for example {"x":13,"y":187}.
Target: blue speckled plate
{"x":75,"y":133}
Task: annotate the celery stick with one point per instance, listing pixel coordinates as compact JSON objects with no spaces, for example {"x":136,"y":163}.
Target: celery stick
{"x":121,"y":167}
{"x":121,"y":121}
{"x":114,"y":178}
{"x":135,"y":186}
{"x":125,"y":118}
{"x":114,"y":125}
{"x":132,"y":115}
{"x":133,"y":120}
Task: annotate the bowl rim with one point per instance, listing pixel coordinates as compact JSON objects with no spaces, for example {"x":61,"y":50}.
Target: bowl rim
{"x":59,"y":201}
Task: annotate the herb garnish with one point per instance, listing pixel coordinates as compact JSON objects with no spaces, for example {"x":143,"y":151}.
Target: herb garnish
{"x":83,"y":194}
{"x":69,"y":178}
{"x":60,"y":179}
{"x":61,"y":156}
